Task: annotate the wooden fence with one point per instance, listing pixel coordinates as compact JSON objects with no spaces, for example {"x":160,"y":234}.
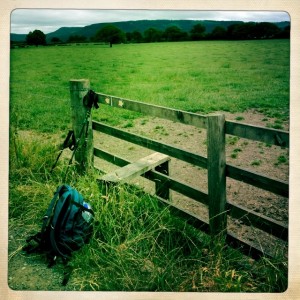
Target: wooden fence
{"x":215,"y":163}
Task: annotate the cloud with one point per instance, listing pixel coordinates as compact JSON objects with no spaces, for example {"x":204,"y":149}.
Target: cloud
{"x":49,"y":20}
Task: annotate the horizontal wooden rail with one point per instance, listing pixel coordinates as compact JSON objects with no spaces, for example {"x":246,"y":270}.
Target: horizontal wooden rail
{"x":275,"y":186}
{"x":247,"y":216}
{"x":179,"y":187}
{"x":183,"y":155}
{"x":251,"y":218}
{"x":154,"y":110}
{"x":272,"y":185}
{"x":258,"y":133}
{"x":246,"y":247}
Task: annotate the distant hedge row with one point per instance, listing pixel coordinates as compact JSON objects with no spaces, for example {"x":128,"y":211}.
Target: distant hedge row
{"x":250,"y":30}
{"x":114,"y":35}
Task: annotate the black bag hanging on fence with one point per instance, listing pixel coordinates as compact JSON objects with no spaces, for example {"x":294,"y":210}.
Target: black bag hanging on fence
{"x":67,"y":226}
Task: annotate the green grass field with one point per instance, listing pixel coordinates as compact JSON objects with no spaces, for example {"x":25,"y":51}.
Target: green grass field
{"x":138,"y":244}
{"x":194,"y":76}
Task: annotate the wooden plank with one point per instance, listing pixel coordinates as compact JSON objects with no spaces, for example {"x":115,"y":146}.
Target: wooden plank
{"x":276,"y":186}
{"x":257,"y":220}
{"x":258,"y":133}
{"x":216,"y":162}
{"x":178,"y":153}
{"x":137,"y":168}
{"x":120,"y":162}
{"x":174,"y":185}
{"x":162,"y":187}
{"x":154,"y":110}
{"x":246,"y":247}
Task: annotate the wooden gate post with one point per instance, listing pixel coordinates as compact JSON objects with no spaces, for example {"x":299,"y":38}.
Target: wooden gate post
{"x":84,"y":156}
{"x":216,"y":164}
{"x":162,"y":187}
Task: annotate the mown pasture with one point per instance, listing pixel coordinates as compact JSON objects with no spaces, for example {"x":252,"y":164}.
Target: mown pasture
{"x":138,"y":245}
{"x":194,"y":76}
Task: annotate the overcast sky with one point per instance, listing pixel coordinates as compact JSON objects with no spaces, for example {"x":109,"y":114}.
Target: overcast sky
{"x":49,"y":20}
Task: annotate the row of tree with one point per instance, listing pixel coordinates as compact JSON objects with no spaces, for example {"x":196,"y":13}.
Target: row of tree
{"x":265,"y":30}
{"x":113,"y":35}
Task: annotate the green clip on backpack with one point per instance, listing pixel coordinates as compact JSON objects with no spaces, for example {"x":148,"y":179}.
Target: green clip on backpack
{"x":67,"y":226}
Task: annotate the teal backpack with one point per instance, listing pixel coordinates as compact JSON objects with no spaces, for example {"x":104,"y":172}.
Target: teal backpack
{"x":67,"y":226}
{"x":68,"y":221}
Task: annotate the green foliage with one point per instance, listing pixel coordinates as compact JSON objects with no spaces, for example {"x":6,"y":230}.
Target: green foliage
{"x":235,"y":152}
{"x":276,"y":125}
{"x":166,"y":30}
{"x":281,"y":159}
{"x":234,"y":155}
{"x":213,"y":29}
{"x":32,"y":161}
{"x":219,"y":33}
{"x":232,"y":140}
{"x":152,"y":35}
{"x":56,"y":40}
{"x":134,"y":37}
{"x":128,"y":124}
{"x":37,"y":37}
{"x":197,"y":32}
{"x":110,"y":34}
{"x":174,"y":33}
{"x":76,"y":38}
{"x":161,"y":130}
{"x":256,"y":162}
{"x":252,"y":30}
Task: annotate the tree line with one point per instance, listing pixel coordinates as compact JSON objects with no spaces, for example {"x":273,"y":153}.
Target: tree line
{"x":113,"y":35}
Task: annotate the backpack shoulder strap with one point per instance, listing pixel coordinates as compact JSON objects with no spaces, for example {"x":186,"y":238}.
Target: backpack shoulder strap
{"x":64,"y":212}
{"x":50,"y":211}
{"x":56,"y":221}
{"x":40,"y":236}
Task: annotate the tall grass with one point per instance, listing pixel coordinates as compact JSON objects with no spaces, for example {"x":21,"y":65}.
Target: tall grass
{"x":137,"y":245}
